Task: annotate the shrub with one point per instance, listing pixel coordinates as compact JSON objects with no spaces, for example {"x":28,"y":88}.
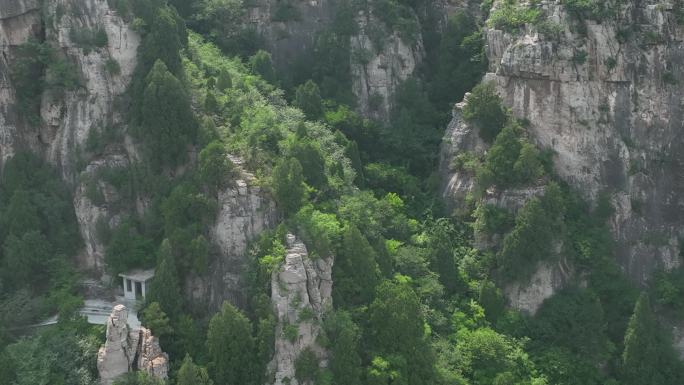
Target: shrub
{"x":485,"y":108}
{"x":510,"y":16}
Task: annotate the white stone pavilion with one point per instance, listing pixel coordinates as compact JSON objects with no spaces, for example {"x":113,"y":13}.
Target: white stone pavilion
{"x":135,"y":283}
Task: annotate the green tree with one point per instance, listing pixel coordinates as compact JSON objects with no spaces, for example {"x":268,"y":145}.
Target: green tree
{"x":355,"y":272}
{"x":192,"y":374}
{"x":306,"y":366}
{"x":210,"y":103}
{"x":215,"y":167}
{"x":309,"y":155}
{"x":167,"y":123}
{"x":397,"y":329}
{"x":262,"y":64}
{"x":27,"y":259}
{"x":230,"y":348}
{"x":648,"y":357}
{"x":491,"y":300}
{"x":459,"y":61}
{"x":528,"y":167}
{"x":308,"y":99}
{"x":486,"y":109}
{"x":128,"y":249}
{"x":165,"y":286}
{"x":164,"y":41}
{"x":288,"y":185}
{"x":502,"y":156}
{"x":345,"y":336}
{"x":223,"y":22}
{"x":156,"y":320}
{"x":21,"y":215}
{"x":224,"y":80}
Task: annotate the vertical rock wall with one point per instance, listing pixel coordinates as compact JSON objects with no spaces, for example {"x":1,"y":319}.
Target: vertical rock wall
{"x":606,"y":97}
{"x":301,"y":292}
{"x":244,"y":212}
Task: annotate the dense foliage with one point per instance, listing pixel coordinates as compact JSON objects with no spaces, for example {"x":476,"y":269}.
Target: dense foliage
{"x":415,"y":302}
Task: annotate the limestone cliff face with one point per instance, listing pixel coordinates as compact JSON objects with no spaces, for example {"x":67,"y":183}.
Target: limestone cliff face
{"x":67,"y":119}
{"x":244,"y":212}
{"x":301,"y":291}
{"x":607,"y":99}
{"x":610,"y":106}
{"x":374,"y":77}
{"x":377,"y":71}
{"x":288,"y":39}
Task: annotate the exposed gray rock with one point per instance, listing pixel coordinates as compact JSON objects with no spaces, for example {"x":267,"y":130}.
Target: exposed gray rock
{"x":548,"y":279}
{"x":127,"y":349}
{"x":117,"y":356}
{"x":301,"y":286}
{"x":378,"y":71}
{"x":245,"y":210}
{"x":460,"y":137}
{"x":69,"y":118}
{"x":151,"y":358}
{"x":611,"y":110}
{"x":290,"y":40}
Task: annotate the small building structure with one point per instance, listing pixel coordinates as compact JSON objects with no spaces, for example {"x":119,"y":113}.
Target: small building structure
{"x":135,"y":283}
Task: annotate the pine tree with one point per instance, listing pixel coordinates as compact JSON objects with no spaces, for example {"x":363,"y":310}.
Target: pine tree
{"x":165,"y":288}
{"x":288,"y":185}
{"x":641,"y":357}
{"x":168,"y":125}
{"x":224,"y":80}
{"x":192,"y":374}
{"x":310,"y":157}
{"x":262,"y":64}
{"x":230,"y":347}
{"x":308,"y":99}
{"x":397,"y":331}
{"x":156,"y":320}
{"x":356,"y":273}
{"x":214,"y":166}
{"x":345,"y":364}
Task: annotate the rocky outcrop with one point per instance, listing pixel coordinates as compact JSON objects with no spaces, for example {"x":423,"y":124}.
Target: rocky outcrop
{"x":117,"y":356}
{"x":68,"y":118}
{"x":607,"y":101}
{"x":92,"y":215}
{"x":301,"y":292}
{"x":245,"y":210}
{"x":547,"y":280}
{"x":460,"y":137}
{"x":377,"y":71}
{"x":126,"y":350}
{"x":290,"y":38}
{"x":151,"y":358}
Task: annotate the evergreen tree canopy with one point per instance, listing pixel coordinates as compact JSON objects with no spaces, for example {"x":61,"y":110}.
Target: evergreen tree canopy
{"x":355,"y":272}
{"x":192,"y":374}
{"x":230,"y":347}
{"x":288,"y":185}
{"x":308,"y":99}
{"x":165,"y":286}
{"x":167,"y":123}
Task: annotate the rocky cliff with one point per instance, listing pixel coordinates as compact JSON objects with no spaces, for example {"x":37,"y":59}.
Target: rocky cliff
{"x":244,"y":212}
{"x":69,"y":116}
{"x":376,"y":70}
{"x":605,"y":94}
{"x":301,"y":292}
{"x":127,"y":350}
